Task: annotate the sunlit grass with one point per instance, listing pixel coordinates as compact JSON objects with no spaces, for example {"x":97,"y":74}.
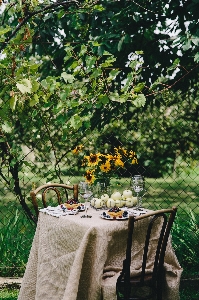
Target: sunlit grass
{"x":9,"y":294}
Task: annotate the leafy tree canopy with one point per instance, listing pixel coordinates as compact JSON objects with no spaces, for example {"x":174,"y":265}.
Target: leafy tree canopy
{"x":70,"y":68}
{"x":167,"y":35}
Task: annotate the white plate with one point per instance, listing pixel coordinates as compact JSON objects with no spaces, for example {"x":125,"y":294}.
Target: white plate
{"x":136,"y":213}
{"x":58,"y":211}
{"x":81,"y":205}
{"x":106,"y":216}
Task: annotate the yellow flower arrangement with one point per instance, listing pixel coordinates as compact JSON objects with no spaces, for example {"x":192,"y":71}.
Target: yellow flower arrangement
{"x":100,"y":165}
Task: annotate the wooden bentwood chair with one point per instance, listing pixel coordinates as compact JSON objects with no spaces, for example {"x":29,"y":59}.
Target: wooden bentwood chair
{"x":56,"y":188}
{"x":146,"y":286}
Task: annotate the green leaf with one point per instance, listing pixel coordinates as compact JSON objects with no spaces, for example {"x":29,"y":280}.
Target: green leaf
{"x":90,"y":62}
{"x":118,"y":98}
{"x":83,"y":50}
{"x":107,"y":53}
{"x":62,"y":118}
{"x":133,"y":64}
{"x":96,"y":43}
{"x":96,"y":73}
{"x":13,"y":162}
{"x":6,"y":127}
{"x":35,"y":85}
{"x":196,"y":57}
{"x":3,"y":66}
{"x":119,"y":46}
{"x":139,"y":52}
{"x":108,"y":62}
{"x":34,"y":100}
{"x":98,"y":7}
{"x":4,"y":30}
{"x":186,"y":45}
{"x":34,"y":66}
{"x":68,"y":78}
{"x":100,"y":50}
{"x":103,"y":99}
{"x":195,"y":40}
{"x":74,"y":65}
{"x":24,"y":86}
{"x":64,"y":94}
{"x":44,"y":83}
{"x":76,"y":121}
{"x":128,"y":82}
{"x":114,"y":73}
{"x":139,"y":87}
{"x":140,"y":100}
{"x":13,"y":102}
{"x":34,"y":113}
{"x":174,"y":65}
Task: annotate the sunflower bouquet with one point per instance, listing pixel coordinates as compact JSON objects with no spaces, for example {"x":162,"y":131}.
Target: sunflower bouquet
{"x":104,"y":166}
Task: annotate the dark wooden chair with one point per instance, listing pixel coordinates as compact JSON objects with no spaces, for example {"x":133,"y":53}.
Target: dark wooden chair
{"x":56,"y":188}
{"x":146,"y":286}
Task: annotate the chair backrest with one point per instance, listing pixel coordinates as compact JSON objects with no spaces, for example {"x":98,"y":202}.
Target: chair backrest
{"x":56,"y":188}
{"x":167,"y":216}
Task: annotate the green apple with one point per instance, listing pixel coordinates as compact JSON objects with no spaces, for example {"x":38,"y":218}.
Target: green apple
{"x":129,"y":202}
{"x":105,"y":197}
{"x":110,"y":202}
{"x":116,"y":196}
{"x":135,"y":201}
{"x":98,"y":203}
{"x":123,"y":201}
{"x":127,"y":194}
{"x":93,"y":201}
{"x":118,"y":203}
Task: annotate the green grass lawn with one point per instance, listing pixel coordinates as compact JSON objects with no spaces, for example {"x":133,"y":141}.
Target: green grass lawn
{"x":9,"y":294}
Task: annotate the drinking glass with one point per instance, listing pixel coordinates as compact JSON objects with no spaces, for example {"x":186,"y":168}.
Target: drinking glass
{"x":138,"y":186}
{"x":102,"y":188}
{"x":86,"y":193}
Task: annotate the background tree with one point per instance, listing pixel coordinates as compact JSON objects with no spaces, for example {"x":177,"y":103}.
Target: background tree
{"x":74,"y":69}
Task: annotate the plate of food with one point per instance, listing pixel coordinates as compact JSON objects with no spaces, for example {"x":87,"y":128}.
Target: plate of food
{"x":115,"y":213}
{"x":73,"y":205}
{"x":59,"y":211}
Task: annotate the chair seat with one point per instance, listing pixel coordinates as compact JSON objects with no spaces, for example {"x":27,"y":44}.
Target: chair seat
{"x":136,"y":280}
{"x":139,"y":290}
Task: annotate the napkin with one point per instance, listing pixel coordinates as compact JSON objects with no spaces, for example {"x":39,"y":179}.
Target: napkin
{"x":58,"y":211}
{"x":136,"y":213}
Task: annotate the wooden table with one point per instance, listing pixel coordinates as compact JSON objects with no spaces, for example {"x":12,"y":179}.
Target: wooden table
{"x":74,"y":258}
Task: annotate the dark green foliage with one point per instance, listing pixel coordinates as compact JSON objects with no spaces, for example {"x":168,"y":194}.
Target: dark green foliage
{"x":185,"y":237}
{"x":16,"y":234}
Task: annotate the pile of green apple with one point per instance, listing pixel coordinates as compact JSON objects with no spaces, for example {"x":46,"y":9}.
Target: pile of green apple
{"x":116,"y":199}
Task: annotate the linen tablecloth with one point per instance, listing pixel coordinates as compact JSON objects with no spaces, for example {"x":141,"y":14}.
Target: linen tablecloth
{"x":74,"y":258}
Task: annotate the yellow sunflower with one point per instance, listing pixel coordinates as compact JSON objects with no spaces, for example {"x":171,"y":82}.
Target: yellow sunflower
{"x":123,"y":151}
{"x":132,"y":153}
{"x":119,"y":163}
{"x":106,"y":167}
{"x":90,"y":177}
{"x":109,"y":157}
{"x":93,"y":159}
{"x":77,"y":149}
{"x":134,"y":161}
